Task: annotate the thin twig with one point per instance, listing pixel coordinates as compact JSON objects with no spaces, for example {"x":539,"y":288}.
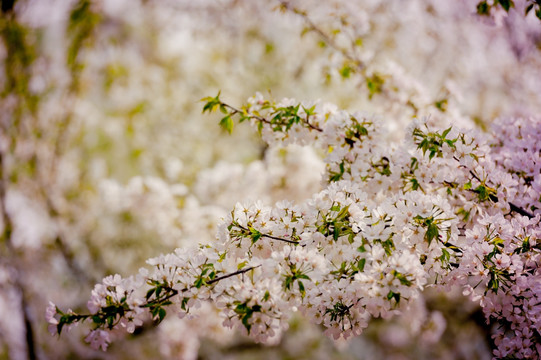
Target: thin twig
{"x":265,"y":120}
{"x":270,"y":236}
{"x":238,"y":272}
{"x":326,"y":38}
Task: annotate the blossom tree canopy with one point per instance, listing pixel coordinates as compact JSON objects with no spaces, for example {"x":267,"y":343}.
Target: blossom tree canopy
{"x":413,"y":187}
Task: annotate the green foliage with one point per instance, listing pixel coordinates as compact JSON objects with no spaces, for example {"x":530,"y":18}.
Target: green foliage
{"x":432,"y":142}
{"x":402,"y":278}
{"x":68,"y":318}
{"x":383,"y":166}
{"x":208,"y":273}
{"x":227,"y":124}
{"x":441,"y":105}
{"x":20,"y":55}
{"x":388,"y":245}
{"x":356,"y":131}
{"x":483,"y":191}
{"x":346,"y":71}
{"x":211,"y":103}
{"x":280,"y":119}
{"x":82,"y":22}
{"x":336,"y":223}
{"x":484,"y":8}
{"x":393,"y":295}
{"x":431,"y":224}
{"x":536,"y":6}
{"x":374,"y":84}
{"x":337,"y":175}
{"x":339,"y":312}
{"x":295,"y":275}
{"x":349,"y":269}
{"x":245,"y":312}
{"x":409,"y":179}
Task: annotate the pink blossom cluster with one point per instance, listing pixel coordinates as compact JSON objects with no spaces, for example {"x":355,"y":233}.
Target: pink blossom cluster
{"x":443,"y":209}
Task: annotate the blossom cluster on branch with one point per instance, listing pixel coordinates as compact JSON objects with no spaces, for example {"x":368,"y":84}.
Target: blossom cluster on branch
{"x":105,"y":161}
{"x":445,"y":208}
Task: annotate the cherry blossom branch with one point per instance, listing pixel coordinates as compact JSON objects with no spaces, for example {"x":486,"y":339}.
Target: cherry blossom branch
{"x":279,"y":116}
{"x":286,"y":6}
{"x":512,"y":206}
{"x":238,"y":272}
{"x":268,"y":236}
{"x":174,"y":292}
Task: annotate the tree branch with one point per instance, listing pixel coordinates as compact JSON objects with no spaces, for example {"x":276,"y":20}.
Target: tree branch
{"x":263,"y":119}
{"x":326,"y":38}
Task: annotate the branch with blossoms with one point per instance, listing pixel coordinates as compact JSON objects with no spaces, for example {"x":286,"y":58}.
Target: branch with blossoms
{"x":434,"y":211}
{"x":115,"y":302}
{"x":492,"y":8}
{"x":328,"y":39}
{"x":344,"y":40}
{"x":352,"y":63}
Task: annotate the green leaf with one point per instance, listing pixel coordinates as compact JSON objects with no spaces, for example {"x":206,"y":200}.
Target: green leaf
{"x":227,"y":123}
{"x":302,"y":276}
{"x":444,"y":134}
{"x":335,"y":208}
{"x":161,"y":314}
{"x":343,"y":213}
{"x":256,"y":235}
{"x":393,"y":295}
{"x":198,"y":283}
{"x":301,"y":288}
{"x":361,"y":264}
{"x":431,"y":233}
{"x":441,"y":105}
{"x":403,"y":279}
{"x":374,"y":85}
{"x":184,"y":303}
{"x":483,"y":8}
{"x":345,"y":72}
{"x":336,"y":232}
{"x":212,"y":103}
{"x":506,"y":4}
{"x":414,"y":184}
{"x":445,"y":256}
{"x":288,"y":281}
{"x":493,"y":283}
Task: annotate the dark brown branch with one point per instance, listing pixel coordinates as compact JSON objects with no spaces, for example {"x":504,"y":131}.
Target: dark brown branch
{"x":280,"y":239}
{"x":238,"y":272}
{"x":270,"y":236}
{"x":29,"y":330}
{"x":520,"y":211}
